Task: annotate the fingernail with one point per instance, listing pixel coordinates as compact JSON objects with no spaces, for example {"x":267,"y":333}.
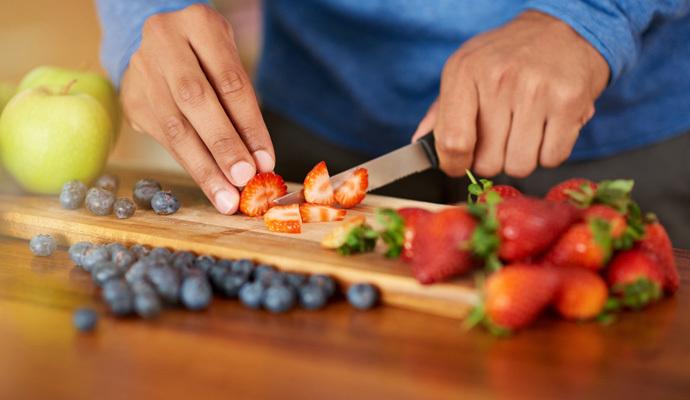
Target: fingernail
{"x":226,"y":201}
{"x":241,"y":173}
{"x":264,"y":161}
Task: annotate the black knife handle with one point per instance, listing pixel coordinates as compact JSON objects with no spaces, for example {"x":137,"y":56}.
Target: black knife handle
{"x":429,"y":145}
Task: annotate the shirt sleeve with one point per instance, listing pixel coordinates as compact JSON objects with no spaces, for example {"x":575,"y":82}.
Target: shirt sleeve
{"x":613,"y":27}
{"x":122,"y":22}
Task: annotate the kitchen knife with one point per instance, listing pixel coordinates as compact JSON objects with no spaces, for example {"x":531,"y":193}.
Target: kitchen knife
{"x":416,"y":157}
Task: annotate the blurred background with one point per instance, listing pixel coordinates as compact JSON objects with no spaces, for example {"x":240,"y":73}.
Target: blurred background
{"x":66,"y":34}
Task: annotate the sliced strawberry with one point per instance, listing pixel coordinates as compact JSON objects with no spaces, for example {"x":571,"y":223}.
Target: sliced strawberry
{"x":283,"y":219}
{"x":657,"y":243}
{"x":440,"y":245}
{"x":317,"y":186}
{"x":577,"y":189}
{"x":411,"y":217}
{"x":321,"y":213}
{"x":258,"y":195}
{"x":515,"y":296}
{"x":635,"y":278}
{"x":586,"y":244}
{"x":581,"y":293}
{"x":351,"y":236}
{"x":353,"y":191}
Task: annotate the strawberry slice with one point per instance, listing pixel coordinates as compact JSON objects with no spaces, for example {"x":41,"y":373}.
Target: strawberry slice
{"x":258,"y":195}
{"x":352,"y":192}
{"x":283,"y":219}
{"x":317,"y":186}
{"x":320,"y":213}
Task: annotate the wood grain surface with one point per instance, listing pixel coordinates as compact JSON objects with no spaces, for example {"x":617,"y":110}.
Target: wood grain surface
{"x":231,"y":352}
{"x":199,"y":228}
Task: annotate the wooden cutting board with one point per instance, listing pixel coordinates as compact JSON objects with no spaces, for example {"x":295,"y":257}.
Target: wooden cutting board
{"x":199,"y":228}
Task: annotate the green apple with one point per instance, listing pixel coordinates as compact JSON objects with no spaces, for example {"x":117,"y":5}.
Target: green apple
{"x":90,"y":83}
{"x":49,"y":135}
{"x":7,"y":90}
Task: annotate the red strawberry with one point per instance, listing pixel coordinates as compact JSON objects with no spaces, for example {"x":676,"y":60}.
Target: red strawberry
{"x":658,"y":244}
{"x":585,"y":244}
{"x":635,"y":278}
{"x":504,"y":191}
{"x":258,"y":195}
{"x":317,"y":186}
{"x":438,"y":245}
{"x":581,"y":293}
{"x":353,"y":190}
{"x":614,"y":218}
{"x":515,"y":295}
{"x":283,"y":219}
{"x":320,"y":213}
{"x":411,"y":217}
{"x":570,"y":188}
{"x":527,"y":225}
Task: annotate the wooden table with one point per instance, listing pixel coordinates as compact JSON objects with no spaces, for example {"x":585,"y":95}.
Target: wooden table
{"x":228,"y":351}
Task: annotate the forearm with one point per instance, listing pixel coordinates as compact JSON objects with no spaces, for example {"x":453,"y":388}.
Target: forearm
{"x":121,"y":25}
{"x":613,"y":27}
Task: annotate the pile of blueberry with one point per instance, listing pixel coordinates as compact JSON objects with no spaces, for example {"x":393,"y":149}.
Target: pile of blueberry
{"x":102,"y":199}
{"x":142,"y":280}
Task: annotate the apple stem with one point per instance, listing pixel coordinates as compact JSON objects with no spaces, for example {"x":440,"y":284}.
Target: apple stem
{"x":69,"y":85}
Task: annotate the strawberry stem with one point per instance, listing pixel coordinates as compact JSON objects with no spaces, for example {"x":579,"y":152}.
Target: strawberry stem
{"x":393,"y":231}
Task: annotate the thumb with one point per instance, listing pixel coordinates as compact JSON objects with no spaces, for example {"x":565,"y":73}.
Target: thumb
{"x":427,"y":123}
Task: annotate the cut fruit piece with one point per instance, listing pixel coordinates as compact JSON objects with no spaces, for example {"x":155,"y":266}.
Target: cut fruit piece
{"x":283,"y":219}
{"x":353,"y":190}
{"x":258,"y":195}
{"x":317,"y":186}
{"x":352,"y":236}
{"x":321,"y":213}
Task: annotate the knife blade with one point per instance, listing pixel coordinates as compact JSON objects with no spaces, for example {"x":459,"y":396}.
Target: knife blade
{"x":407,"y":160}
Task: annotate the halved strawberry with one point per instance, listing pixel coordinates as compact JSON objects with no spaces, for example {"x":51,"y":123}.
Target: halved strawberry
{"x":351,"y":236}
{"x":352,"y":192}
{"x":283,"y":219}
{"x":258,"y":195}
{"x":320,"y":213}
{"x":635,"y":278}
{"x":317,"y":186}
{"x":581,"y":293}
{"x":577,"y":189}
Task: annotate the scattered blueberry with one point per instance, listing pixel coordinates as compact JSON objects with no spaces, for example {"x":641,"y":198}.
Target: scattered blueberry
{"x":99,"y":201}
{"x":108,"y":182}
{"x":326,"y":282}
{"x":165,"y":202}
{"x":42,"y":245}
{"x":140,"y":250}
{"x":122,"y":257}
{"x":182,"y":258}
{"x":148,"y":181}
{"x":251,"y":294}
{"x":243,"y":266}
{"x":196,"y":293}
{"x":105,"y":271}
{"x":124,"y":208}
{"x":72,"y":195}
{"x":85,"y":319}
{"x":147,"y":305}
{"x":93,"y":255}
{"x":312,"y":296}
{"x":118,"y":295}
{"x":160,"y":252}
{"x":271,"y":278}
{"x":204,"y":264}
{"x":260,"y":270}
{"x":76,"y":251}
{"x":231,"y":282}
{"x":279,"y":298}
{"x":137,"y":271}
{"x":295,"y":279}
{"x":143,"y":194}
{"x":166,"y":282}
{"x":74,"y":186}
{"x":363,"y":295}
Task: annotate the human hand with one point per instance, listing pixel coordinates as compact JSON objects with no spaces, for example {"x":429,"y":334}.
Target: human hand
{"x":515,"y":97}
{"x":186,"y":87}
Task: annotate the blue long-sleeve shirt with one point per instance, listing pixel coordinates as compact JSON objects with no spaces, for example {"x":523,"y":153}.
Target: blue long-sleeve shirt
{"x":362,"y":74}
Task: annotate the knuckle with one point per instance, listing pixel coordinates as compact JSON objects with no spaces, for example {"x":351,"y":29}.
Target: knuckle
{"x":202,"y":175}
{"x":191,"y":91}
{"x":154,"y":25}
{"x":173,"y":129}
{"x":552,"y":159}
{"x":455,"y":145}
{"x":232,"y":82}
{"x":222,"y":146}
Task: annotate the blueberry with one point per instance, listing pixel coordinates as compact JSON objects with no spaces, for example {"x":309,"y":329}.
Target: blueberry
{"x":76,"y":251}
{"x":215,"y":275}
{"x":182,"y":258}
{"x":143,"y":194}
{"x":148,"y":181}
{"x":165,"y":202}
{"x":271,"y":278}
{"x":122,"y":257}
{"x":74,"y":186}
{"x":205,"y":258}
{"x":137,"y":271}
{"x":108,"y":182}
{"x":363,"y":295}
{"x":312,"y":296}
{"x":279,"y":298}
{"x":326,"y":282}
{"x":93,"y":255}
{"x":251,"y":294}
{"x":105,"y":271}
{"x":85,"y":319}
{"x":42,"y":245}
{"x":295,"y":279}
{"x":72,"y":195}
{"x":140,"y":250}
{"x":204,"y":265}
{"x":147,"y":305}
{"x":261,"y":270}
{"x":196,"y":293}
{"x":118,"y":295}
{"x":166,"y":282}
{"x":243,"y":266}
{"x":231,"y":282}
{"x":224,"y":263}
{"x":115,"y":246}
{"x":124,"y":208}
{"x":99,"y":201}
{"x":160,"y":252}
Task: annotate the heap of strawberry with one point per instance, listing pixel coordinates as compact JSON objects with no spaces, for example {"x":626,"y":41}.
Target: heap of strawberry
{"x":256,"y":199}
{"x":585,"y":250}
